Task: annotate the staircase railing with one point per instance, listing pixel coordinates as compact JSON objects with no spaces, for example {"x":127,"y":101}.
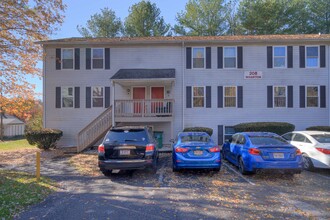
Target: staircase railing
{"x":95,"y":130}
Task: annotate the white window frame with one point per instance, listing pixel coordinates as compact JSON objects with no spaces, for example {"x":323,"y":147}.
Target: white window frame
{"x":62,"y":106}
{"x":318,"y":96}
{"x":192,"y":58}
{"x":224,"y":97}
{"x":103,"y":58}
{"x":318,"y":56}
{"x":204,"y":96}
{"x":73,"y":61}
{"x":92,"y":97}
{"x":286,"y":97}
{"x":285,"y":57}
{"x":236,"y":60}
{"x":224,"y":132}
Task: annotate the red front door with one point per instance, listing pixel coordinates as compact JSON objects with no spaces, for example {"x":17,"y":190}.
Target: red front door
{"x":157,"y":93}
{"x":139,"y":94}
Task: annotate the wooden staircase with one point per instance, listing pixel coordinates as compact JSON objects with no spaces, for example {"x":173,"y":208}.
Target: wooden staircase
{"x":95,"y":130}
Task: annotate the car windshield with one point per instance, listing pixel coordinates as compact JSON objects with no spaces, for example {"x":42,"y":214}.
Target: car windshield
{"x":322,"y":138}
{"x":199,"y":138}
{"x":263,"y":140}
{"x":119,"y":135}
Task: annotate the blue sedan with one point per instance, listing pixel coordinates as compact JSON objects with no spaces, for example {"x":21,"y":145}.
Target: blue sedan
{"x":195,"y":150}
{"x":251,"y":151}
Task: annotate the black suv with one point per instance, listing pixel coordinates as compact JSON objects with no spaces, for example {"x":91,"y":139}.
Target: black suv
{"x":128,"y":148}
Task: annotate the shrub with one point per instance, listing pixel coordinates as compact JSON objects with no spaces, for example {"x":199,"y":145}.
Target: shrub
{"x":44,"y":138}
{"x":209,"y":131}
{"x":275,"y":127}
{"x":319,"y":128}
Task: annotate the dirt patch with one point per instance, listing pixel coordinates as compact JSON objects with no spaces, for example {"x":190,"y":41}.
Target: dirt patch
{"x":86,"y":164}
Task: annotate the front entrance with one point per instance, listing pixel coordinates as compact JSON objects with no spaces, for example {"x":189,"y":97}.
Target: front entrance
{"x":139,"y":94}
{"x":157,"y":93}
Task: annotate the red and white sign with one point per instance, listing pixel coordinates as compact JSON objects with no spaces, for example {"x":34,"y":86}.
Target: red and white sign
{"x":253,"y":75}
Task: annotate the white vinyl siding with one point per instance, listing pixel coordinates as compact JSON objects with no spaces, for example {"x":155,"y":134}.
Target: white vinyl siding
{"x":312,"y":96}
{"x":279,"y":56}
{"x":198,"y":96}
{"x":67,"y":58}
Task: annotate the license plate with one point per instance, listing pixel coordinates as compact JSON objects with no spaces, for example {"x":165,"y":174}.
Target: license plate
{"x":278,"y":155}
{"x":198,"y":152}
{"x":124,"y":152}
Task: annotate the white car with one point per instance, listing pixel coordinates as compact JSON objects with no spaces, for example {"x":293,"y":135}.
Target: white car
{"x":314,"y":145}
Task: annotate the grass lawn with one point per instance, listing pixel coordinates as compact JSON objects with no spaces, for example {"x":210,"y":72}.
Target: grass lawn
{"x":15,"y":145}
{"x":19,"y":190}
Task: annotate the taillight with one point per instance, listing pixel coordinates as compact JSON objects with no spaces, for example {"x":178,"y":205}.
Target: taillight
{"x":254,"y":151}
{"x":181,"y":150}
{"x":100,"y":149}
{"x":298,"y":152}
{"x":150,"y":147}
{"x":214,"y":149}
{"x":323,"y":150}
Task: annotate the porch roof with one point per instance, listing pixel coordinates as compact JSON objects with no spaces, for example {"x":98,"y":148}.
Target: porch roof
{"x":129,"y":74}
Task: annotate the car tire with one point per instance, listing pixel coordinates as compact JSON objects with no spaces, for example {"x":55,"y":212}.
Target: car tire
{"x":174,"y":169}
{"x":308,"y":164}
{"x":106,"y":172}
{"x":216,"y":169}
{"x":241,"y":166}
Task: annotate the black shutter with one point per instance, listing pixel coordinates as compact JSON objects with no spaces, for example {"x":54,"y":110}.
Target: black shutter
{"x":58,"y":97}
{"x":302,"y":96}
{"x":302,"y":56}
{"x":290,"y":96}
{"x":220,"y":134}
{"x":269,"y":57}
{"x":322,"y":56}
{"x":208,"y":58}
{"x":322,"y":97}
{"x":107,"y":97}
{"x":188,"y":96}
{"x":220,"y":97}
{"x":77,"y":97}
{"x":290,"y":56}
{"x":58,"y":59}
{"x":220,"y":57}
{"x":88,"y":97}
{"x":240,"y":57}
{"x":188,"y":57}
{"x":208,"y":97}
{"x":239,"y":96}
{"x":107,"y":58}
{"x":269,"y":96}
{"x":88,"y":58}
{"x":77,"y":58}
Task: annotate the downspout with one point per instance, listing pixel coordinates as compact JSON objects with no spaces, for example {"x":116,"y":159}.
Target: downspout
{"x":328,"y":84}
{"x":183,"y":84}
{"x":44,"y":87}
{"x":113,"y":102}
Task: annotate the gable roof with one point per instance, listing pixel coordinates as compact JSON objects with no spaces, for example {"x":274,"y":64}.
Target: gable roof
{"x":192,"y":39}
{"x":144,"y":74}
{"x":10,"y":119}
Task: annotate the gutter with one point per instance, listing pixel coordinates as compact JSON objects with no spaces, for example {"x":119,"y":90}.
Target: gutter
{"x":183,"y":84}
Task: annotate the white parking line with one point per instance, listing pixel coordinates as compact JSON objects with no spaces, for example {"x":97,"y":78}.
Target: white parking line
{"x":240,"y":175}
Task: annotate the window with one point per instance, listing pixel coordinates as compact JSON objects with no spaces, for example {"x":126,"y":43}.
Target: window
{"x":67,"y":58}
{"x":300,"y":138}
{"x":67,"y":97}
{"x":229,"y":131}
{"x":97,"y":58}
{"x":198,"y":57}
{"x":198,"y":96}
{"x":312,"y":96}
{"x":279,"y":57}
{"x":288,"y":136}
{"x":230,"y":96}
{"x":312,"y":56}
{"x":279,"y":96}
{"x":97,"y":96}
{"x":229,"y":57}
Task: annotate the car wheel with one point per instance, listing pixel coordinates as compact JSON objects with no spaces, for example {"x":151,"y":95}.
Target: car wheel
{"x":216,"y":169}
{"x":174,"y":169}
{"x":308,"y":164}
{"x":241,"y":166}
{"x":106,"y":172}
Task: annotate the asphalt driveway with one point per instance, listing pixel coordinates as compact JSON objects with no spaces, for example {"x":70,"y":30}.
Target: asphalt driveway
{"x":184,"y":195}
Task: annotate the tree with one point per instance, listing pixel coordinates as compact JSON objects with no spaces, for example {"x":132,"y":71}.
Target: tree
{"x":144,"y":20}
{"x":202,"y":18}
{"x":105,"y":24}
{"x":320,"y":16}
{"x":23,"y":22}
{"x":232,"y":19}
